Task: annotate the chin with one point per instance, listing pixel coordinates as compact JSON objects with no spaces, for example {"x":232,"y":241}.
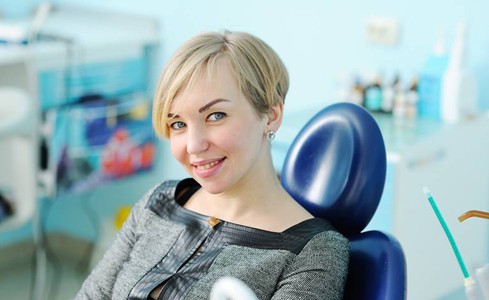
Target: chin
{"x":212,"y":187}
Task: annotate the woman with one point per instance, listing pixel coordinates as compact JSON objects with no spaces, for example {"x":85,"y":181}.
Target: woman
{"x":219,"y":102}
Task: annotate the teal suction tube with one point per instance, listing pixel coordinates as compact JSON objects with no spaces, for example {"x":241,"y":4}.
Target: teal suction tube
{"x":448,"y":233}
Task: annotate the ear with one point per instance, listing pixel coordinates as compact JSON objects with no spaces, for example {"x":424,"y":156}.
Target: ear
{"x":275,"y":116}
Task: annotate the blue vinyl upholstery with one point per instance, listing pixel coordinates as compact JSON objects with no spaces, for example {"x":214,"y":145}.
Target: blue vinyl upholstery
{"x":336,"y":169}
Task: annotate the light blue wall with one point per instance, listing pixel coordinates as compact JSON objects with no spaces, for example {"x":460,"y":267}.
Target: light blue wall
{"x":319,"y":39}
{"x":15,"y":8}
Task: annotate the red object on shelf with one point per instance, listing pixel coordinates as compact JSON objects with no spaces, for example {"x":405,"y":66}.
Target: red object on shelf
{"x":122,"y":157}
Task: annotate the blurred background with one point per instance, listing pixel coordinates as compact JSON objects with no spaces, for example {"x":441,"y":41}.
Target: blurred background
{"x":77,"y":148}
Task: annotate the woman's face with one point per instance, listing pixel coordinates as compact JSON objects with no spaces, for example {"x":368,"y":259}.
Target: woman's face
{"x":216,"y":134}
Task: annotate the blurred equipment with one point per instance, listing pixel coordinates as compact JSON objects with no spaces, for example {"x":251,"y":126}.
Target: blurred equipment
{"x":336,"y":169}
{"x":447,"y":88}
{"x":100,"y":140}
{"x":18,"y":171}
{"x":53,"y":139}
{"x":90,"y":75}
{"x":482,"y":273}
{"x":24,"y":31}
{"x":229,"y":288}
{"x":459,"y":89}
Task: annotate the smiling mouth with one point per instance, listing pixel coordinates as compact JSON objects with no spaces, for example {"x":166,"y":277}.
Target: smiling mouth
{"x":208,"y":166}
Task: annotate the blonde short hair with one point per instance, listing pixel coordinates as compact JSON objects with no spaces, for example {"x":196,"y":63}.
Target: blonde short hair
{"x":261,"y":75}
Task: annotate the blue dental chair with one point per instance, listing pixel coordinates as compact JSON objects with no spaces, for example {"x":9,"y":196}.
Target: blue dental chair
{"x":336,"y":169}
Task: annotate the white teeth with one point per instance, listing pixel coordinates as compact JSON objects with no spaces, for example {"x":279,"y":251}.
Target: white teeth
{"x":207,"y":166}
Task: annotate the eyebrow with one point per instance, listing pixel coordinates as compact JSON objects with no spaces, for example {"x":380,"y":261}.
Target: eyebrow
{"x":203,"y":108}
{"x":210,"y":104}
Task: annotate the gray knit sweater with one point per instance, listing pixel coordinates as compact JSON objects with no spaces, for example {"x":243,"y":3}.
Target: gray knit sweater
{"x":162,"y":242}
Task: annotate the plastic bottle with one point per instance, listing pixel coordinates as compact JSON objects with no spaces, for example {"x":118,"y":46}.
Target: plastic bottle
{"x":389,"y":92}
{"x":399,"y":110}
{"x":412,"y":100}
{"x":357,"y":93}
{"x":458,"y":88}
{"x":373,"y":94}
{"x":430,"y":82}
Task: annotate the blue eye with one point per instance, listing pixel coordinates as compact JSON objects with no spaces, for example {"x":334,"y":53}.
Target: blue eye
{"x":216,"y":116}
{"x":177,"y":125}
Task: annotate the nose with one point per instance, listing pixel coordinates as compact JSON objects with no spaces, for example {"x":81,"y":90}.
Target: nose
{"x":197,"y":140}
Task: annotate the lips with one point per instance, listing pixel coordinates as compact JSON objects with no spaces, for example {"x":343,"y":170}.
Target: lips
{"x":207,"y":168}
{"x":206,"y":165}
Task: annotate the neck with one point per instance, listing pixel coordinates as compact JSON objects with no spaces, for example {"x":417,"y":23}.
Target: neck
{"x":265,"y":205}
{"x":250,"y":196}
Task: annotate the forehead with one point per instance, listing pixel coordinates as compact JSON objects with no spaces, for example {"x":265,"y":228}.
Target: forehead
{"x":216,"y":81}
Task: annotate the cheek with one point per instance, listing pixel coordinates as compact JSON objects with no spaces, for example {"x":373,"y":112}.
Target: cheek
{"x":229,"y":143}
{"x":243,"y":139}
{"x":178,"y":148}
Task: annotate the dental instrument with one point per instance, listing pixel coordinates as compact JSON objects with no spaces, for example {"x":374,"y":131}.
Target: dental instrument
{"x":473,"y":213}
{"x":482,"y":273}
{"x":469,"y":283}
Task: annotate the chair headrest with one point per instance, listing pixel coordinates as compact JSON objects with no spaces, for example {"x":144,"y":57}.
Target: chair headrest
{"x":335,"y":167}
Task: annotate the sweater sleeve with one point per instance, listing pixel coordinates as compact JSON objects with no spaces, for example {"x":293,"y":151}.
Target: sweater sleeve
{"x":319,"y":271}
{"x":100,"y":282}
